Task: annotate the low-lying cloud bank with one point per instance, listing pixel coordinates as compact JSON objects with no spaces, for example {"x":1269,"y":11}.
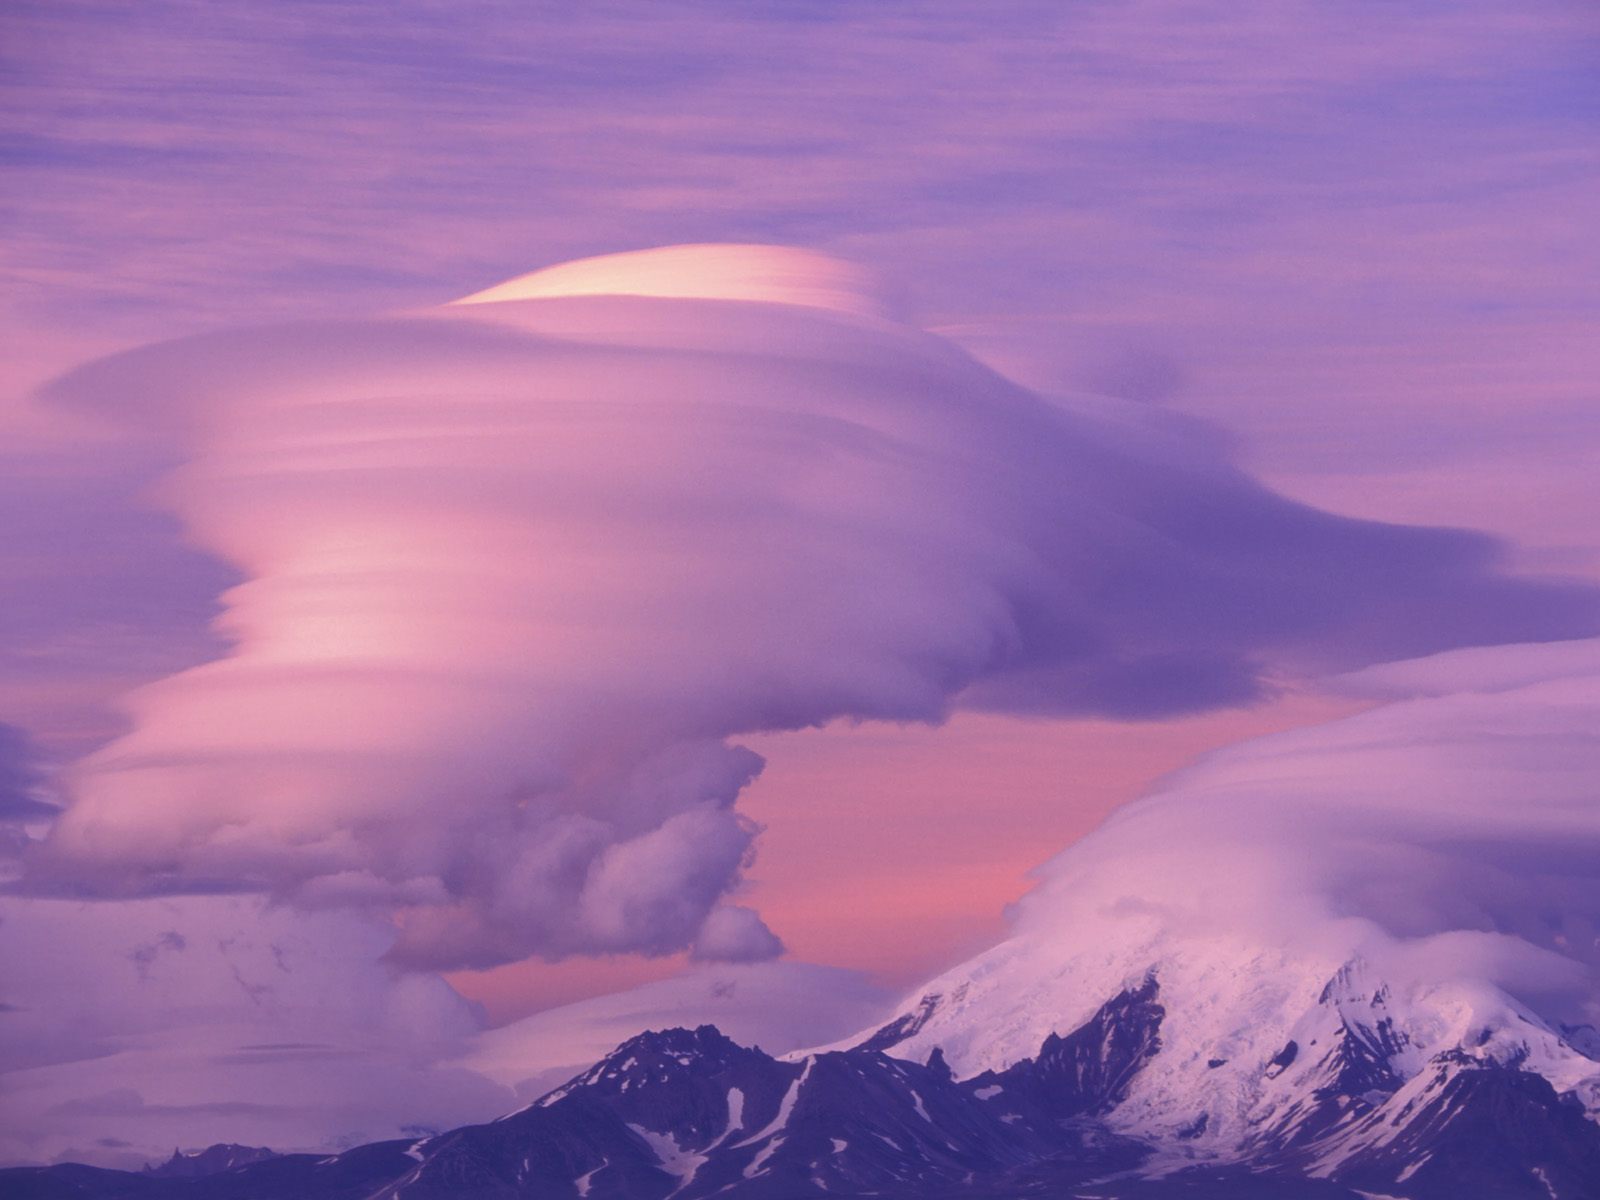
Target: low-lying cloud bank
{"x":129,"y":1028}
{"x":517,"y":569}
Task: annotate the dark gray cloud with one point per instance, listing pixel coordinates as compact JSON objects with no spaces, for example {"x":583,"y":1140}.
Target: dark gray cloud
{"x":21,"y":779}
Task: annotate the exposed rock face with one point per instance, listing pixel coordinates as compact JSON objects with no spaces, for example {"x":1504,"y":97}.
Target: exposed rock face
{"x":690,"y":1114}
{"x":224,"y":1156}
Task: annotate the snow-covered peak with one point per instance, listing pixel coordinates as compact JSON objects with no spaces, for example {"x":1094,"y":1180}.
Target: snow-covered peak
{"x":1259,"y":1045}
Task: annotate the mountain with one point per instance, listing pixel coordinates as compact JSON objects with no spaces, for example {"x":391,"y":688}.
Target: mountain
{"x":224,"y":1156}
{"x":1351,"y":1107}
{"x":779,"y":1005}
{"x":1223,"y":1056}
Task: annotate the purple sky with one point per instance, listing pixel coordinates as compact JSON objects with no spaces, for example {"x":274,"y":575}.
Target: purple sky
{"x":1355,"y":240}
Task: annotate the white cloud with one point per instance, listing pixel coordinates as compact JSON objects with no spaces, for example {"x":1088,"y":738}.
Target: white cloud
{"x":515,"y":572}
{"x":132,"y":1027}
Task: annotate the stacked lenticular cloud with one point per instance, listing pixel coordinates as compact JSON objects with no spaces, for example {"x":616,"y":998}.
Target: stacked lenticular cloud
{"x":517,"y":569}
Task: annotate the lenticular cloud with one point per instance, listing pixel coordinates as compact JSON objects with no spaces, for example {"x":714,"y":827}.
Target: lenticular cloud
{"x":517,"y":569}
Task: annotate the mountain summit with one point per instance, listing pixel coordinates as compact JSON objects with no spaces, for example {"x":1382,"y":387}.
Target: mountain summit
{"x":1353,"y":1106}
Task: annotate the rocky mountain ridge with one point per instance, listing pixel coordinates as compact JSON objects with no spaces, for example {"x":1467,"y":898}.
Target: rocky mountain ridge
{"x":683,"y":1114}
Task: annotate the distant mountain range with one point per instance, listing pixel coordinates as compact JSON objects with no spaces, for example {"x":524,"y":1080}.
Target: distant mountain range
{"x":1350,"y":1114}
{"x":224,"y":1156}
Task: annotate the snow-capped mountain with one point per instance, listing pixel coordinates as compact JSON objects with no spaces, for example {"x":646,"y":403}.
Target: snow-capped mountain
{"x":1220,"y":1060}
{"x":1358,"y":1100}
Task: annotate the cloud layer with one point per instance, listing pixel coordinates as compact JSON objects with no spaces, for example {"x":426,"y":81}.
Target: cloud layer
{"x":517,"y":570}
{"x":128,"y":1029}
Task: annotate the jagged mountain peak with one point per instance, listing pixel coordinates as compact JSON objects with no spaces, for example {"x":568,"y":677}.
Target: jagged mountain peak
{"x":1344,"y":1091}
{"x":223,"y":1156}
{"x":664,"y":1048}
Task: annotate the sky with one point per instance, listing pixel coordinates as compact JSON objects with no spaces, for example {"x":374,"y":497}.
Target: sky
{"x":1090,"y":425}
